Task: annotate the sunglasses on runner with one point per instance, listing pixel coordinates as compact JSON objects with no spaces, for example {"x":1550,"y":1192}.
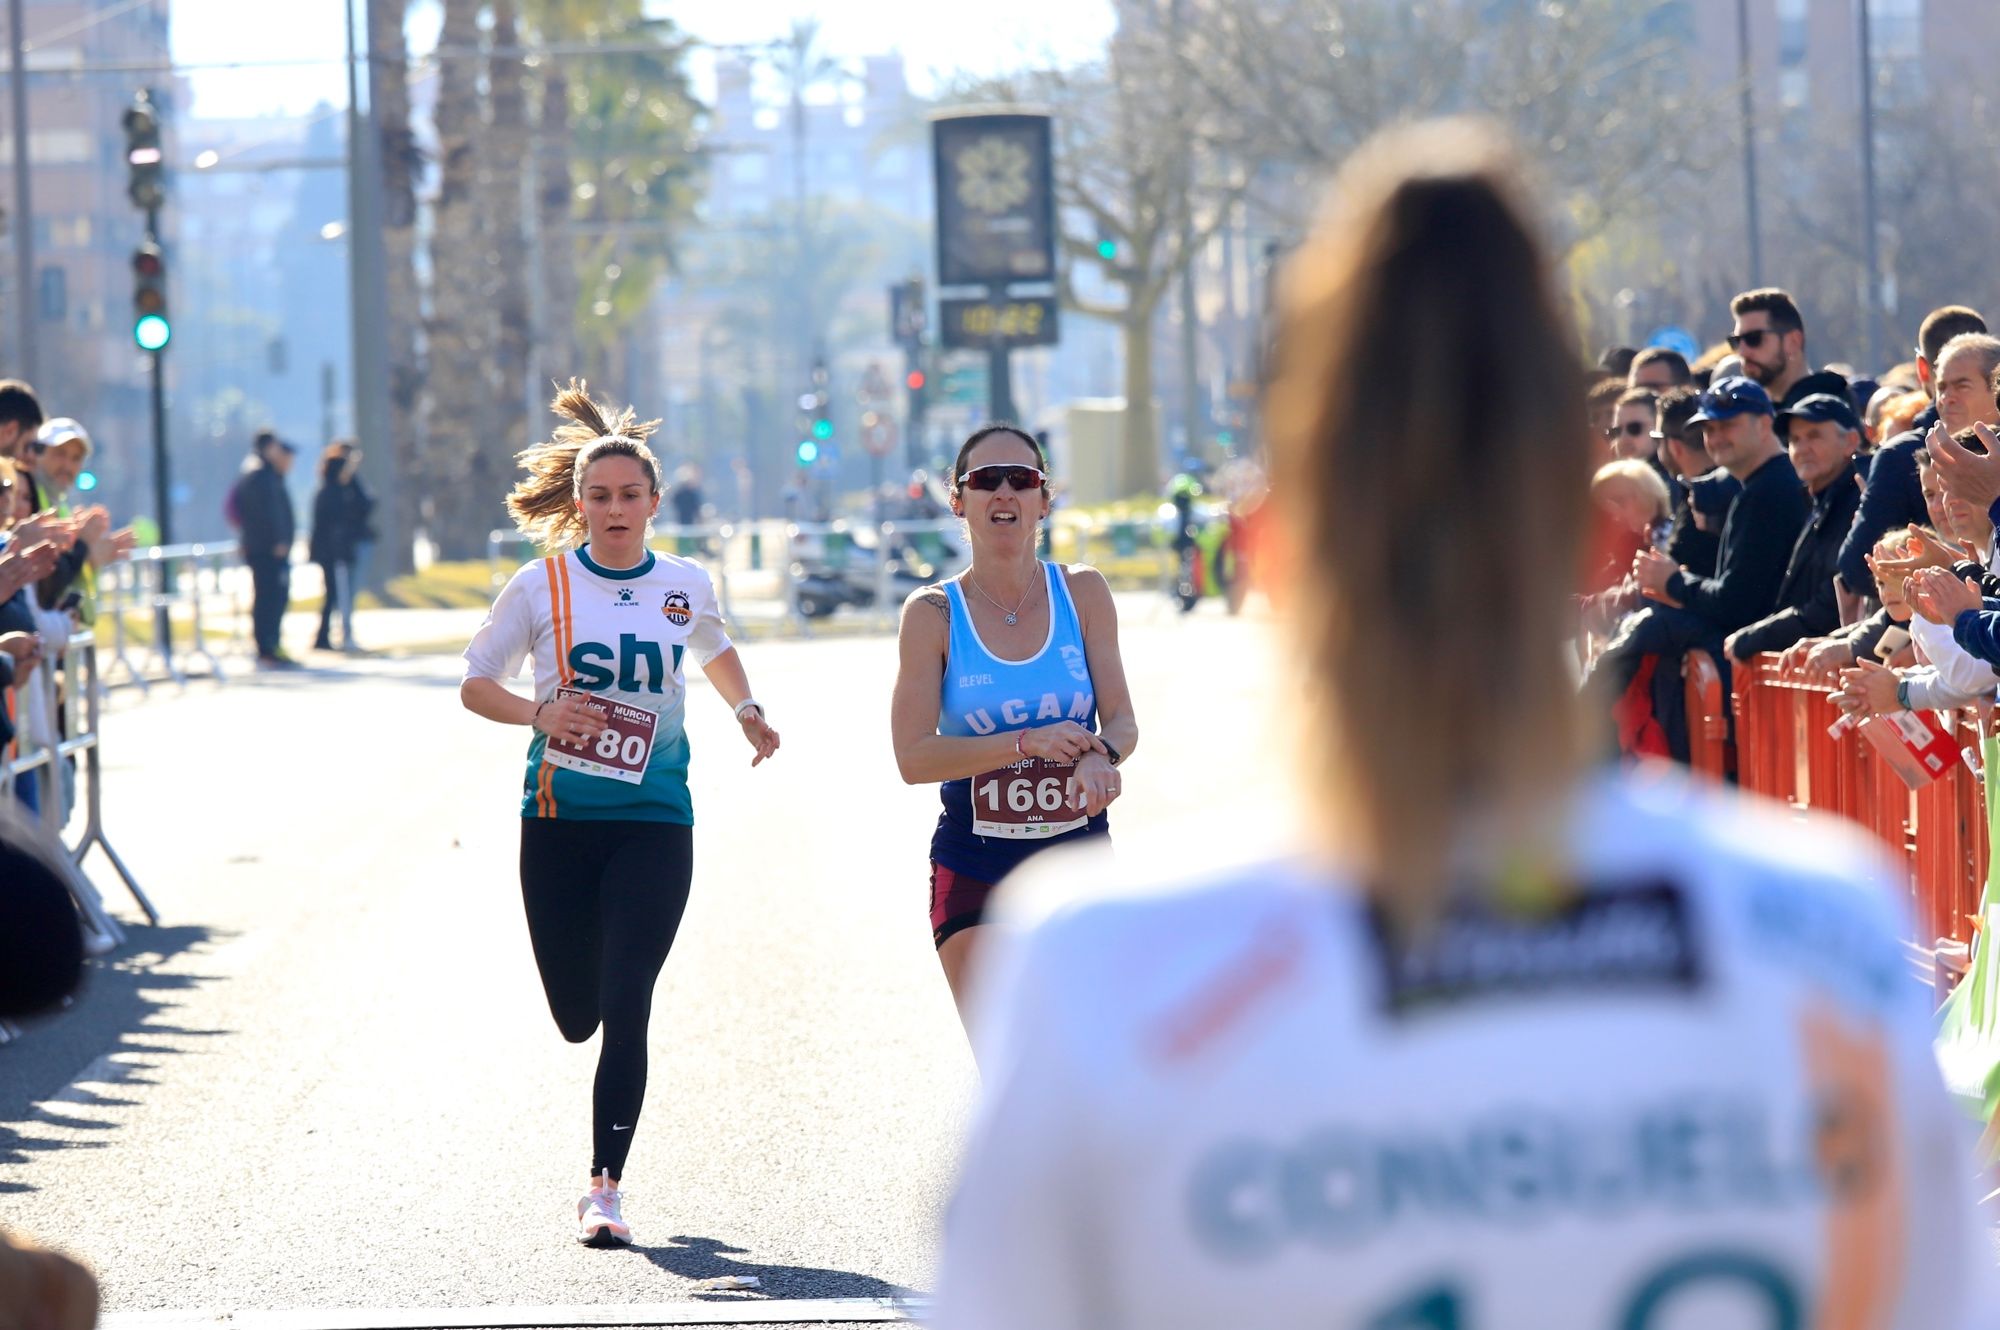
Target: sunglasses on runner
{"x":1632,"y":427}
{"x":994,"y":475}
{"x":1753,"y":339}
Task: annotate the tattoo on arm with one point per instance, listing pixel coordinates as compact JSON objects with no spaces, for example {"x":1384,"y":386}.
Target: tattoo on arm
{"x":937,"y":600}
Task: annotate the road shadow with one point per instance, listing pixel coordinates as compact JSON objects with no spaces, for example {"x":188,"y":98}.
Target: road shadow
{"x":698,"y":1259}
{"x":115,"y":1028}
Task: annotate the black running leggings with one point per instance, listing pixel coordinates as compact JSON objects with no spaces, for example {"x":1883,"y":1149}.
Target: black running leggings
{"x":604,"y":900}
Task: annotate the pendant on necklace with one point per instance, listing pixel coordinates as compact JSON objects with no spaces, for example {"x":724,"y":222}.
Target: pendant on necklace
{"x":1010,"y":620}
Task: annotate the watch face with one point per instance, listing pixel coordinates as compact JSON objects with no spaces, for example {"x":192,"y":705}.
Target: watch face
{"x":993,"y":175}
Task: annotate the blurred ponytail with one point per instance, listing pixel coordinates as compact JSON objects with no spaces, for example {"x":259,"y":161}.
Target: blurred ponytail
{"x":1431,"y":458}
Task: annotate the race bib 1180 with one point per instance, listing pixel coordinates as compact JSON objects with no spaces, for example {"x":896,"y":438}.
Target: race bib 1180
{"x":619,"y":752}
{"x":1028,"y":800}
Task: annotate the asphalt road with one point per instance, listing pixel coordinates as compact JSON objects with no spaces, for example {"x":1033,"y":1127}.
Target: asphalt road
{"x":329,"y":1081}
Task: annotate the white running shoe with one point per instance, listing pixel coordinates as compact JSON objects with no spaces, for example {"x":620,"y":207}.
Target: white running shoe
{"x":598,"y":1221}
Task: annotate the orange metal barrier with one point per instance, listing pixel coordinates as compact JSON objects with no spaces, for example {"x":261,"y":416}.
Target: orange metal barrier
{"x":1783,"y":752}
{"x":1707,"y":720}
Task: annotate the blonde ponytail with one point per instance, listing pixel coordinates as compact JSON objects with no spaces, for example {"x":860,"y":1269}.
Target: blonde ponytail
{"x":544,"y":505}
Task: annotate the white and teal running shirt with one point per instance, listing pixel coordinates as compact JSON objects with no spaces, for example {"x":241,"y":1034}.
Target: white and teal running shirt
{"x":1699,"y":1094}
{"x":621,"y":635}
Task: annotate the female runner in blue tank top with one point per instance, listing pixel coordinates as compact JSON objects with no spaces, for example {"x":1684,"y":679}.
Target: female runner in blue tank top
{"x":1010,"y":693}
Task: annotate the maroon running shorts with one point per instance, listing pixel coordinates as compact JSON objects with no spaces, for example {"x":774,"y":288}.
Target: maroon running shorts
{"x":957,"y":902}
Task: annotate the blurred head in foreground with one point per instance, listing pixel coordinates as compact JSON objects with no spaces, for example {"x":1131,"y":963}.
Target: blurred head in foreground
{"x":1424,"y":368}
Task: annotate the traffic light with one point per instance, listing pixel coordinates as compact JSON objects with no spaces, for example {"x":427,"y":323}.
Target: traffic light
{"x":1107,"y":249}
{"x":808,"y":452}
{"x":822,"y":408}
{"x":146,"y":184}
{"x":150,"y":328}
{"x":914,"y":381}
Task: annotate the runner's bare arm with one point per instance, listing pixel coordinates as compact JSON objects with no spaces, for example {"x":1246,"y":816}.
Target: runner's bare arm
{"x":1098,"y":612}
{"x":925,"y":757}
{"x":495,"y":701}
{"x":731,"y":680}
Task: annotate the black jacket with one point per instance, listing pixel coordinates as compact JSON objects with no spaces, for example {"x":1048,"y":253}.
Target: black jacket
{"x":1688,"y":544}
{"x":341,"y":511}
{"x":17,"y":615}
{"x":1757,"y":539}
{"x":1894,"y":498}
{"x":264,"y":506}
{"x":1806,"y":604}
{"x":69,"y":564}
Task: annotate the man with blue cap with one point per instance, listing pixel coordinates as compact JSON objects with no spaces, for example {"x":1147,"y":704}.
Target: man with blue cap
{"x":1762,"y":526}
{"x":1822,"y":436}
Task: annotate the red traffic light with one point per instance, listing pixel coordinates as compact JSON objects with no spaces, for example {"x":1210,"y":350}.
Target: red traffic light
{"x":915,"y":380}
{"x":148,"y":263}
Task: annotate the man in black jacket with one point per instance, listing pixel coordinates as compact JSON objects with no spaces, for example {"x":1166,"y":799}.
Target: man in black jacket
{"x":264,"y":509}
{"x":1697,"y":531}
{"x":1894,"y":498}
{"x":1822,"y":436}
{"x":1757,"y":538}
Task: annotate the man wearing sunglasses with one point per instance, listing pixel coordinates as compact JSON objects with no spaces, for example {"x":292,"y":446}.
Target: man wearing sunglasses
{"x":1631,"y":431}
{"x":1770,"y":338}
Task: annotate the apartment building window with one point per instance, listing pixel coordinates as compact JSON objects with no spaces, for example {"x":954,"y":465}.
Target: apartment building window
{"x":58,"y":147}
{"x":1791,"y":33}
{"x":69,"y":232}
{"x":1897,"y":29}
{"x":52,"y":294}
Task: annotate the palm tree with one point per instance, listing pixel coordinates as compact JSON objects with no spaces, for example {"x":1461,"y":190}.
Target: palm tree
{"x":402,"y":163}
{"x":462,"y":485}
{"x":507,"y":140}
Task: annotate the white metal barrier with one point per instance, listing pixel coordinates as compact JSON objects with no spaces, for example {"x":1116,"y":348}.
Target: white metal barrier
{"x":72,"y":692}
{"x":202,"y":578}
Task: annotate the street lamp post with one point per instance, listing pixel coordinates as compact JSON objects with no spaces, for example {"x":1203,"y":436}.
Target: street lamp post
{"x":1749,"y":119}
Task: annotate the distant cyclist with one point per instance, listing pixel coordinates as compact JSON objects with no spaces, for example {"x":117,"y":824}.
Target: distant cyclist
{"x":1522,"y":1045}
{"x":1011,"y":693}
{"x":607,"y":838}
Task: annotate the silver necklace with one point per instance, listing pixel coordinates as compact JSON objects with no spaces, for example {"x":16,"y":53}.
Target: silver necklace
{"x":1014,"y":615}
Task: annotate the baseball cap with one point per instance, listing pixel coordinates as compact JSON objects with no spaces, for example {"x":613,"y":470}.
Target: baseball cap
{"x":1820,"y":406}
{"x":60,"y":431}
{"x":1731,"y":397}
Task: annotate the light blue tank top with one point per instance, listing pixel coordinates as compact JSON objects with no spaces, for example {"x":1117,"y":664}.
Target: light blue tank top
{"x":984,"y":694}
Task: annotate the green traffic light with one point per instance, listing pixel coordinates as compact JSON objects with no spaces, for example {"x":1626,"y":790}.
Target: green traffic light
{"x":822,"y":429}
{"x":808,"y":452}
{"x":152,"y":332}
{"x":1107,"y":250}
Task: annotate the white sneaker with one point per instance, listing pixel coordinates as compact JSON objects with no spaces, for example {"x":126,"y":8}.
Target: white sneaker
{"x":598,"y":1221}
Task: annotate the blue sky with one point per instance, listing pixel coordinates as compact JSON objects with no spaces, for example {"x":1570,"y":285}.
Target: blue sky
{"x":936,"y":39}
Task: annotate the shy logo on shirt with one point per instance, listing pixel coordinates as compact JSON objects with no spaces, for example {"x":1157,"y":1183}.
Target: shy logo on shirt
{"x":677,"y":609}
{"x":641,"y":665}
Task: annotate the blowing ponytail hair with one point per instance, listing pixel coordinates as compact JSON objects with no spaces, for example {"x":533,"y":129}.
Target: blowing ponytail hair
{"x":1430,"y":456}
{"x":543,"y":505}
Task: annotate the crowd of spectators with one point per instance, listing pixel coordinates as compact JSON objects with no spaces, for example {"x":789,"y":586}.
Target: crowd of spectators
{"x":50,"y":551}
{"x":1751,"y":504}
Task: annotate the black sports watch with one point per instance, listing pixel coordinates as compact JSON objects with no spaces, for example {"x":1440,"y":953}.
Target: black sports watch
{"x":1112,"y":753}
